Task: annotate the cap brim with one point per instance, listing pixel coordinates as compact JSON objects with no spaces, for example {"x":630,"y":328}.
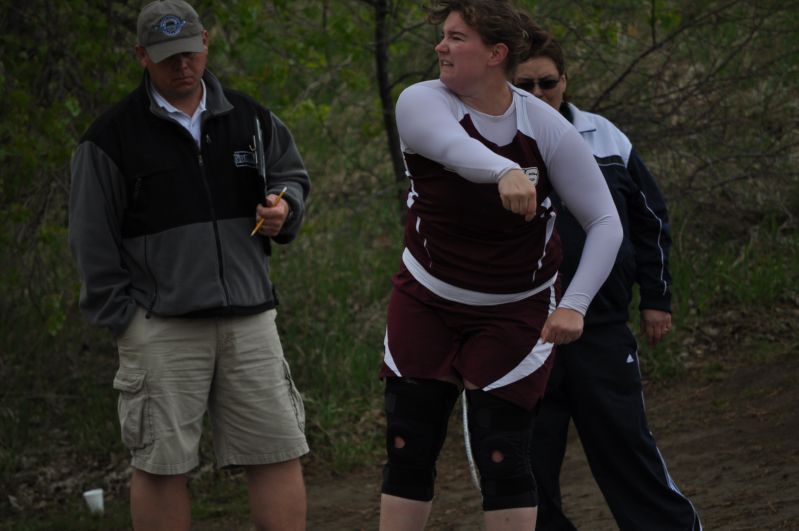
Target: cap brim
{"x":162,"y":50}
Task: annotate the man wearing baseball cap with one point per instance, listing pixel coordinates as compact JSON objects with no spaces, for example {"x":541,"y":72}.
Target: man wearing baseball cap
{"x":169,"y":27}
{"x":166,"y":187}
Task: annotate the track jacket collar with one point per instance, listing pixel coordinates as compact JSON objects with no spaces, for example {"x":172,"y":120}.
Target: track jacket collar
{"x":580,"y":122}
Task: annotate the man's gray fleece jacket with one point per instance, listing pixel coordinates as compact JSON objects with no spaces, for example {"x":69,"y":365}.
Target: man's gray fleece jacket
{"x":160,"y":223}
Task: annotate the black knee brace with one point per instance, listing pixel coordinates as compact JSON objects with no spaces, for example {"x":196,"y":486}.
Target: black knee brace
{"x":417,"y":413}
{"x":500,"y":434}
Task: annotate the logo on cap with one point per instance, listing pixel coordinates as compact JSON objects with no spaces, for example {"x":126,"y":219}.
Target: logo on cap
{"x":170,"y":25}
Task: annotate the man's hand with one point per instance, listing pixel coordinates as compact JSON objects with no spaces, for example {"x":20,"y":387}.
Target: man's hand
{"x":655,"y":324}
{"x":274,"y":216}
{"x":518,"y":193}
{"x":564,"y":325}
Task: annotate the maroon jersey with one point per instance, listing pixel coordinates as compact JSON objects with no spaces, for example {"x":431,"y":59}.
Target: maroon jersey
{"x":459,"y":232}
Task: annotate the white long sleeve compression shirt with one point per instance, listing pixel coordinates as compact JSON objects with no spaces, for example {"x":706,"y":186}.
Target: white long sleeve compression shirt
{"x":430,"y":119}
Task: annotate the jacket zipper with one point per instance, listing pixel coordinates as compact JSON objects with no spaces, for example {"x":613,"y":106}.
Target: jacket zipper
{"x":207,"y":188}
{"x":136,"y":192}
{"x":155,"y":283}
{"x":201,"y":162}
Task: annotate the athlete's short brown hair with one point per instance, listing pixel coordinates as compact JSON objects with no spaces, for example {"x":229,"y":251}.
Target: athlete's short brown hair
{"x":497,"y":21}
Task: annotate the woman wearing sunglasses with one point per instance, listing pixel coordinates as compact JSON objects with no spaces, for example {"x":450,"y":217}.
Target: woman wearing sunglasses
{"x":596,"y":380}
{"x":476,"y":302}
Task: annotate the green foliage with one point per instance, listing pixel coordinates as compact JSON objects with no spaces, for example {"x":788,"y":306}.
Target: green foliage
{"x":333,"y":332}
{"x":74,"y":517}
{"x":752,"y":274}
{"x":703,"y":89}
{"x":44,"y":94}
{"x":220,"y":495}
{"x":729,"y":291}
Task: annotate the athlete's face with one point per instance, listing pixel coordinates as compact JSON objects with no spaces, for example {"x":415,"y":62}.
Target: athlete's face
{"x":540,"y":77}
{"x":462,"y":56}
{"x":178,"y":76}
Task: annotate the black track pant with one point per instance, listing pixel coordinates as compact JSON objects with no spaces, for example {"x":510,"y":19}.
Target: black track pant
{"x":597,"y":383}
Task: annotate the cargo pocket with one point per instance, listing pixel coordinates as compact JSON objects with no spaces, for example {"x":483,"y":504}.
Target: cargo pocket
{"x":133,"y":408}
{"x":296,"y":398}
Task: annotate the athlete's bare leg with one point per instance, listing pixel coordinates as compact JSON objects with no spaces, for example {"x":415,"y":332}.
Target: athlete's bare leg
{"x":401,"y":514}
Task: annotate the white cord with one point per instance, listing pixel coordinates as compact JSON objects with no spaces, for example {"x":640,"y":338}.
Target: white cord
{"x":468,"y":445}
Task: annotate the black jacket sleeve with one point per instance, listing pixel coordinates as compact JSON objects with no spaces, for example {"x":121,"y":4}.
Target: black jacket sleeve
{"x":286,"y":168}
{"x":650,"y":234}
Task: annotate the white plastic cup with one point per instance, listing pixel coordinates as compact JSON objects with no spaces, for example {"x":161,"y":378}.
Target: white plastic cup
{"x":94,"y":499}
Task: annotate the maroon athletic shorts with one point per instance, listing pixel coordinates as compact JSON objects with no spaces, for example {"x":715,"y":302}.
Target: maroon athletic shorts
{"x":494,"y":347}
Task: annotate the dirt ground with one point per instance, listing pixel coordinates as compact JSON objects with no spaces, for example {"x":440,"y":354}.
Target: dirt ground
{"x":728,"y":435}
{"x":728,"y":427}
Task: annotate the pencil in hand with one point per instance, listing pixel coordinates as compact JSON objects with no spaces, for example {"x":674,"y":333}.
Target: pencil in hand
{"x":261,"y":221}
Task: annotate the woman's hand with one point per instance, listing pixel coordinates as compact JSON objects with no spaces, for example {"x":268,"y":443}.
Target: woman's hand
{"x":655,"y":324}
{"x":562,"y":326}
{"x":518,"y":193}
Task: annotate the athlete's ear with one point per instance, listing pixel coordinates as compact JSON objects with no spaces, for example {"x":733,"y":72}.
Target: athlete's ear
{"x":499,"y":52}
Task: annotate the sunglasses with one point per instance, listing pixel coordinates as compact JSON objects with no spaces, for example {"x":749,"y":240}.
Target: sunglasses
{"x":547,"y":83}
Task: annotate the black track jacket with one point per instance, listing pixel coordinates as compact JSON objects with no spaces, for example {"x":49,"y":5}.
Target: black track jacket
{"x":643,"y":255}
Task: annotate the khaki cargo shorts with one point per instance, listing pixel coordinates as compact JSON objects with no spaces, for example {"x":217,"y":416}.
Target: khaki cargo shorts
{"x":173,"y":370}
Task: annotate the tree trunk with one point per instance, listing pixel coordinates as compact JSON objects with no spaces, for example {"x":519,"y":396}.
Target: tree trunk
{"x":387,"y":103}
